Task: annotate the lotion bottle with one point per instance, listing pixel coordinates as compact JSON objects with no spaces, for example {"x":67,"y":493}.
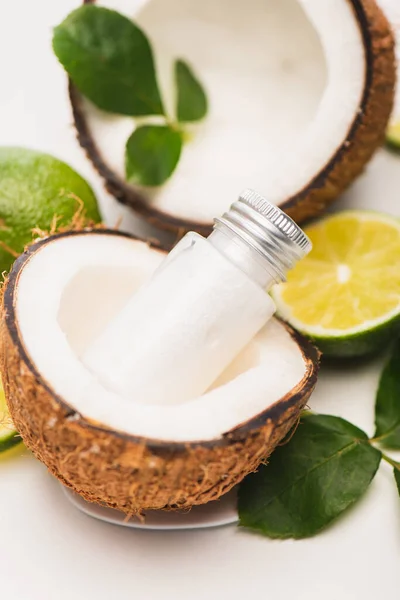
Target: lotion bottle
{"x":200,"y":308}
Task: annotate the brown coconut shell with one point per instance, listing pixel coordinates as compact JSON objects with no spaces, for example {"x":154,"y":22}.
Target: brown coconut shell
{"x":364,"y":136}
{"x":119,"y":470}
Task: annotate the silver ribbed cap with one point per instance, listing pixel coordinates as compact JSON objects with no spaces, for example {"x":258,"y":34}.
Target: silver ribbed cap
{"x":268,"y":230}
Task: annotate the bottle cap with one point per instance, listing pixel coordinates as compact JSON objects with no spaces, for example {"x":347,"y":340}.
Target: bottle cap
{"x":268,"y":230}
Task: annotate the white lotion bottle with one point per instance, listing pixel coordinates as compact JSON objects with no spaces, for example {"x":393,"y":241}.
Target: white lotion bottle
{"x":201,"y":307}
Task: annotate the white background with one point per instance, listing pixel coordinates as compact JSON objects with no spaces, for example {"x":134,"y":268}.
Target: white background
{"x":50,"y":551}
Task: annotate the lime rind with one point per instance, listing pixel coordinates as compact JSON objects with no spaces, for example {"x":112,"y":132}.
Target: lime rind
{"x":34,"y":189}
{"x":393,"y":136}
{"x":353,"y":345}
{"x":9,"y":437}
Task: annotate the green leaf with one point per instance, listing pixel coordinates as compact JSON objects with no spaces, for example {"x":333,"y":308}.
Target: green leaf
{"x":152,"y":153}
{"x":110,"y":61}
{"x":34,"y":187}
{"x":191,"y":99}
{"x":396,"y":473}
{"x":396,"y":469}
{"x":310,"y":481}
{"x":387,"y":406}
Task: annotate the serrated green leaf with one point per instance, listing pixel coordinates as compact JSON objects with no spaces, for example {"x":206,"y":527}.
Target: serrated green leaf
{"x":151,"y":155}
{"x":191,"y":102}
{"x":310,"y":481}
{"x":387,"y":406}
{"x":110,"y":61}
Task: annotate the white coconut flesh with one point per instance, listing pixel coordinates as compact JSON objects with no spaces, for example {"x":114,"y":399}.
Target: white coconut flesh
{"x":284,"y":79}
{"x":73,"y":286}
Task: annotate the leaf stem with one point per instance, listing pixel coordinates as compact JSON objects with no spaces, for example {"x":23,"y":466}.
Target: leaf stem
{"x":389,"y":460}
{"x":162,"y":120}
{"x":387,"y":433}
{"x":376,"y":440}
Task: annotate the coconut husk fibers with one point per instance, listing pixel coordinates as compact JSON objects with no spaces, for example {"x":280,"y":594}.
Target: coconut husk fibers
{"x":365,"y":135}
{"x":119,"y":470}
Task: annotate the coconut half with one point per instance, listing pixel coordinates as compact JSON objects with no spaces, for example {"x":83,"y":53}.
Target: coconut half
{"x":114,"y":450}
{"x":299,"y":91}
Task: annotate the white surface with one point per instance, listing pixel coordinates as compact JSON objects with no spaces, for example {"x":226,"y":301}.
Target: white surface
{"x":283,"y":89}
{"x":57,"y":290}
{"x":50,"y":551}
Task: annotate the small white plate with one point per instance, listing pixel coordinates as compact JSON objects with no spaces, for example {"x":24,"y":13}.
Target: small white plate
{"x":214,"y":514}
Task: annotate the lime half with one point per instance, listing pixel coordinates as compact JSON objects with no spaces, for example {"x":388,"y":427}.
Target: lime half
{"x":345,"y":295}
{"x":393,"y":135}
{"x":8,"y":436}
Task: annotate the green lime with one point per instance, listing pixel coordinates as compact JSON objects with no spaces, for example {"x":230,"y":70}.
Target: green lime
{"x":393,"y":135}
{"x":8,"y":436}
{"x":345,"y":295}
{"x":34,"y":187}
